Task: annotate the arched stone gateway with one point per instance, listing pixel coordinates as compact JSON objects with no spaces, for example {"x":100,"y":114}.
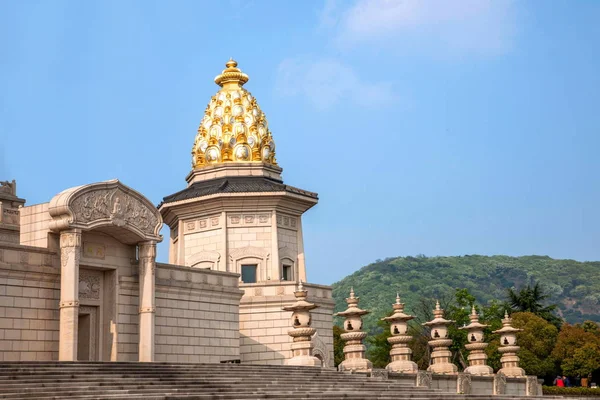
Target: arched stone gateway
{"x":106,"y":206}
{"x":104,"y":209}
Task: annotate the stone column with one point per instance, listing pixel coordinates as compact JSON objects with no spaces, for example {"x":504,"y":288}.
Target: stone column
{"x":441,"y":355}
{"x":70,"y":253}
{"x":508,"y":349}
{"x":301,"y":257}
{"x":302,"y":332}
{"x":223,"y":258}
{"x":477,"y":357}
{"x":275,"y":272}
{"x":400,"y":352}
{"x":354,"y":349}
{"x":147,"y":266}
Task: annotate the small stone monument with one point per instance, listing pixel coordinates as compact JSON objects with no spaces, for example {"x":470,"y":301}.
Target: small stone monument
{"x":302,"y":332}
{"x":441,"y":355}
{"x":508,"y":348}
{"x":354,"y":350}
{"x":10,"y":204}
{"x":477,"y":357}
{"x":400,"y":352}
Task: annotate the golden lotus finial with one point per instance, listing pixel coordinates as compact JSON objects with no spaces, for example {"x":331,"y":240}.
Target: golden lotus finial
{"x":231,"y":75}
{"x":231,"y":63}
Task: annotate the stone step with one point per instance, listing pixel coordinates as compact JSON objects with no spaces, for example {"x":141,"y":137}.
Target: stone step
{"x":168,"y":381}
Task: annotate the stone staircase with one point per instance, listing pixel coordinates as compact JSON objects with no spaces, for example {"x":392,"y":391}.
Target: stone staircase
{"x":160,"y":381}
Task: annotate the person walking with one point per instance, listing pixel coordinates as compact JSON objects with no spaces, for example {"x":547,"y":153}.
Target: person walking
{"x":558,"y":381}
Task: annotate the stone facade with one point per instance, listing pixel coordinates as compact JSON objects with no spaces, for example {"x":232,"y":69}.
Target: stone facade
{"x":29,"y":297}
{"x":97,"y":293}
{"x":87,"y":259}
{"x":264,"y":326}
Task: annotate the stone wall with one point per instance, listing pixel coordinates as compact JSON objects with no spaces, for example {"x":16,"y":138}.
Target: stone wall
{"x":264,"y":326}
{"x":29,"y":297}
{"x":197,"y":316}
{"x":34,"y":226}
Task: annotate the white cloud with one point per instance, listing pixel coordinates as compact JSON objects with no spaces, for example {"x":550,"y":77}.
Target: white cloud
{"x":471,"y":26}
{"x":325,"y":82}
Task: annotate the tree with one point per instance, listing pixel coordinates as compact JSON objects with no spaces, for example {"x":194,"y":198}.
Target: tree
{"x":379,"y":347}
{"x":531,"y":299}
{"x":338,"y":345}
{"x":577,"y":350}
{"x":537,"y":341}
{"x":591,"y":326}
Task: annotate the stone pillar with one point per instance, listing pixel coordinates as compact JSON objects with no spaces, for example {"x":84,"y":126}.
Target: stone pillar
{"x":223,"y":256}
{"x":70,"y":253}
{"x":400,"y":352}
{"x":275,"y":273}
{"x":301,"y":257}
{"x":147,"y":266}
{"x":354,"y":350}
{"x":181,"y":243}
{"x":475,"y":344}
{"x":508,"y":349}
{"x":441,"y":355}
{"x":302,"y":332}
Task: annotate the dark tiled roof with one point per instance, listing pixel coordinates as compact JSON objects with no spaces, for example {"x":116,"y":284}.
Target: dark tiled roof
{"x":234,"y":185}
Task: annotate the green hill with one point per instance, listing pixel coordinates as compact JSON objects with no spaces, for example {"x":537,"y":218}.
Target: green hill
{"x":574,"y":286}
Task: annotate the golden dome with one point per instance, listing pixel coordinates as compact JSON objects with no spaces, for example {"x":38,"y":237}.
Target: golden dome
{"x":234,"y":129}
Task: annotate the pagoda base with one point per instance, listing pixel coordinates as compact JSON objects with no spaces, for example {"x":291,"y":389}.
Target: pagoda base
{"x":304,"y":361}
{"x":443,"y":368}
{"x":356,"y":365}
{"x":403,"y":366}
{"x":479,"y":370}
{"x":512,"y":372}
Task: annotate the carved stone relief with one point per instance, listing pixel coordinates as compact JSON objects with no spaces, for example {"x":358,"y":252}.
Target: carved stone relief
{"x":499,"y":383}
{"x":94,"y":250}
{"x":463,"y":383}
{"x":115,"y":205}
{"x":424,"y":379}
{"x":249,"y":219}
{"x":320,"y":350}
{"x":286,"y":221}
{"x":89,"y":285}
{"x":203,"y":256}
{"x":9,"y":238}
{"x":248,"y":251}
{"x":531,"y":386}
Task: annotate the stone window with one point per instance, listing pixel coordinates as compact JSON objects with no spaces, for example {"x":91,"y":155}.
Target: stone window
{"x":249,"y":273}
{"x":286,"y":272}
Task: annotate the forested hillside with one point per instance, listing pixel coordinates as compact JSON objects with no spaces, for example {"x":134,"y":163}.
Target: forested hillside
{"x":574,"y":286}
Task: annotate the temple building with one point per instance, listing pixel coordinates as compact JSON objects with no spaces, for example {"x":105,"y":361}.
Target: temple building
{"x":79,"y":278}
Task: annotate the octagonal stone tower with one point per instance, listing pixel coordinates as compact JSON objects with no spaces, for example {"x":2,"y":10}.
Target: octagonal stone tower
{"x":237,"y":215}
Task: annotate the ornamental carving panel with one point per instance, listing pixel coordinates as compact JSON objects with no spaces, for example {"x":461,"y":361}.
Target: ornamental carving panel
{"x":248,"y":251}
{"x":424,"y":379}
{"x":320,"y":350}
{"x":115,"y":205}
{"x":463,"y":383}
{"x":89,"y":285}
{"x":9,"y":237}
{"x":499,"y":383}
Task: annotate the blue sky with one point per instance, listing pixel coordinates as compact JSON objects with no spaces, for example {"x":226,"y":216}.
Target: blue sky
{"x":433,"y":127}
